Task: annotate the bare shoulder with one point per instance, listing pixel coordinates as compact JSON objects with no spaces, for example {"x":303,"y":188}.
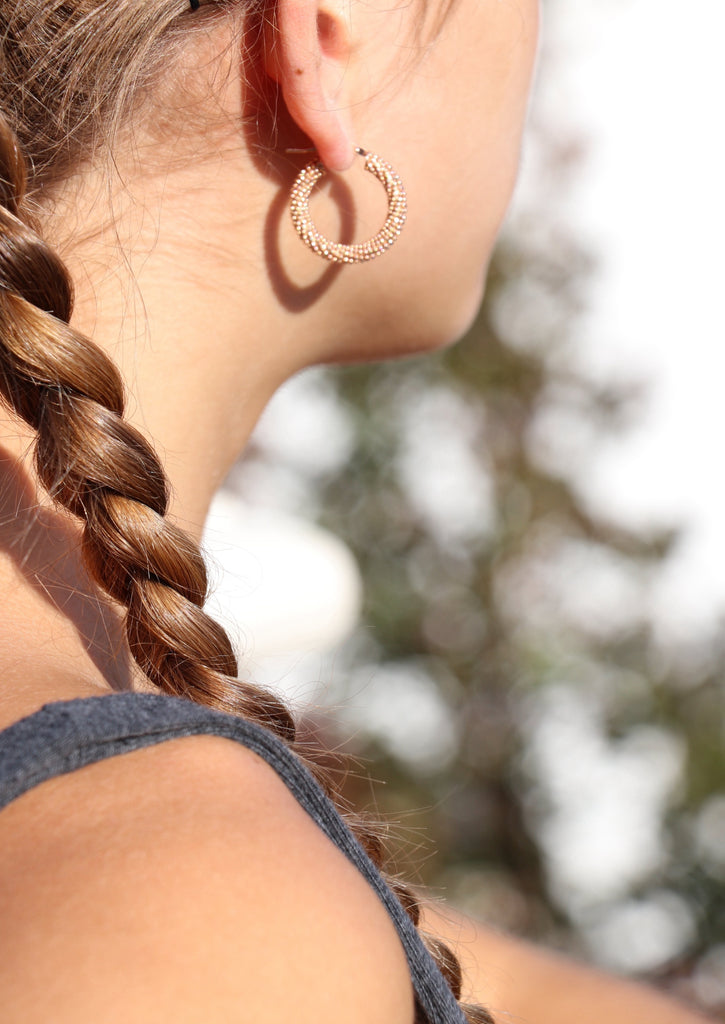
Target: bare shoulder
{"x":183,"y":882}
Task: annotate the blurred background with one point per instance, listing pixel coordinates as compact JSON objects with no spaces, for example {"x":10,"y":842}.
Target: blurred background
{"x":497,"y":575}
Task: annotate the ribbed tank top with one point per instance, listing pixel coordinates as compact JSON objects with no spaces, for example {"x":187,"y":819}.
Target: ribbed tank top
{"x":67,"y":735}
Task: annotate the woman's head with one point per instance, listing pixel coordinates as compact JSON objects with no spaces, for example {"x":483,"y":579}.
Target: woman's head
{"x":161,"y":142}
{"x":438,"y":88}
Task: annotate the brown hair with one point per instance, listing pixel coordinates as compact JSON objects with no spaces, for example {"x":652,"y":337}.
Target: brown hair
{"x":72,"y":75}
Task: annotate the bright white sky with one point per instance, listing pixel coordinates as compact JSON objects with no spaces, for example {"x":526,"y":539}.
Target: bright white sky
{"x":645,"y":81}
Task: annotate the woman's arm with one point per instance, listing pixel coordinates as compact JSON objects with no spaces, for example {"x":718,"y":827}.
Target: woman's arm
{"x":525,"y":984}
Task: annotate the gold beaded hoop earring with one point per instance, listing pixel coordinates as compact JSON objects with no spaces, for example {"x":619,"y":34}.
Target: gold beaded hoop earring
{"x":360,"y":252}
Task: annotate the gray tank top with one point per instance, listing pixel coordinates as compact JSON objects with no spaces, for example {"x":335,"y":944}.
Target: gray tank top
{"x":67,"y":735}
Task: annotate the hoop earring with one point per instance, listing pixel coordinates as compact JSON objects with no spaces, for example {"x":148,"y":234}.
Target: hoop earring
{"x":360,"y":252}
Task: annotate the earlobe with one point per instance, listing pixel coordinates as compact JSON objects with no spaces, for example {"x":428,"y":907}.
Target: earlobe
{"x":307,"y":55}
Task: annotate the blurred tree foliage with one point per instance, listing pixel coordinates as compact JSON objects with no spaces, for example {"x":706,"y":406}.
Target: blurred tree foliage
{"x":496,"y":598}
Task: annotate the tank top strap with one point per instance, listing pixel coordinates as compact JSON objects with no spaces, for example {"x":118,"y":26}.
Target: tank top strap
{"x":64,"y":736}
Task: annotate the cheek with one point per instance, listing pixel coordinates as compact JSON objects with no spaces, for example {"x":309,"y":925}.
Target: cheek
{"x":453,"y":130}
{"x":424,"y":293}
{"x":402,"y":308}
{"x":456,"y":214}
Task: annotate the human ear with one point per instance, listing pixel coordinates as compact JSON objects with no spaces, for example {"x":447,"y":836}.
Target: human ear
{"x":307,"y":52}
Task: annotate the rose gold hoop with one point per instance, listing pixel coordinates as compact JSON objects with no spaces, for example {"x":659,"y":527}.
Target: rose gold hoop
{"x":360,"y":252}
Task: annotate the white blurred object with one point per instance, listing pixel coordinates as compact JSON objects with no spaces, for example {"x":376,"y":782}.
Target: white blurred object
{"x":400,"y":704}
{"x":641,"y":935}
{"x":599,"y":810}
{"x":440,"y":466}
{"x":283,"y":588}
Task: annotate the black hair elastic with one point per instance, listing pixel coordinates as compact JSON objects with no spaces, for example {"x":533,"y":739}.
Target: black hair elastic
{"x":194,"y":4}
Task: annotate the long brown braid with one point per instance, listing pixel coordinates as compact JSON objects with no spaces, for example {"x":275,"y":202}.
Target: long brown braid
{"x":63,"y":92}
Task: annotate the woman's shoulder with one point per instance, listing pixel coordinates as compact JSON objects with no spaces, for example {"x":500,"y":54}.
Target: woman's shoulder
{"x":183,"y":881}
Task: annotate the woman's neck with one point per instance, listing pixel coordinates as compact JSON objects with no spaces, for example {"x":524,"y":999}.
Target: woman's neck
{"x":185,"y":277}
{"x":197,"y":335}
{"x":201,"y":344}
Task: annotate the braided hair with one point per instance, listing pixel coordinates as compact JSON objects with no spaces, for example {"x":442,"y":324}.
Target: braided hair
{"x":65,"y":94}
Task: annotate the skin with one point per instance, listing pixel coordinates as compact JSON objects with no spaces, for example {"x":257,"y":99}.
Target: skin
{"x":189,"y":274}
